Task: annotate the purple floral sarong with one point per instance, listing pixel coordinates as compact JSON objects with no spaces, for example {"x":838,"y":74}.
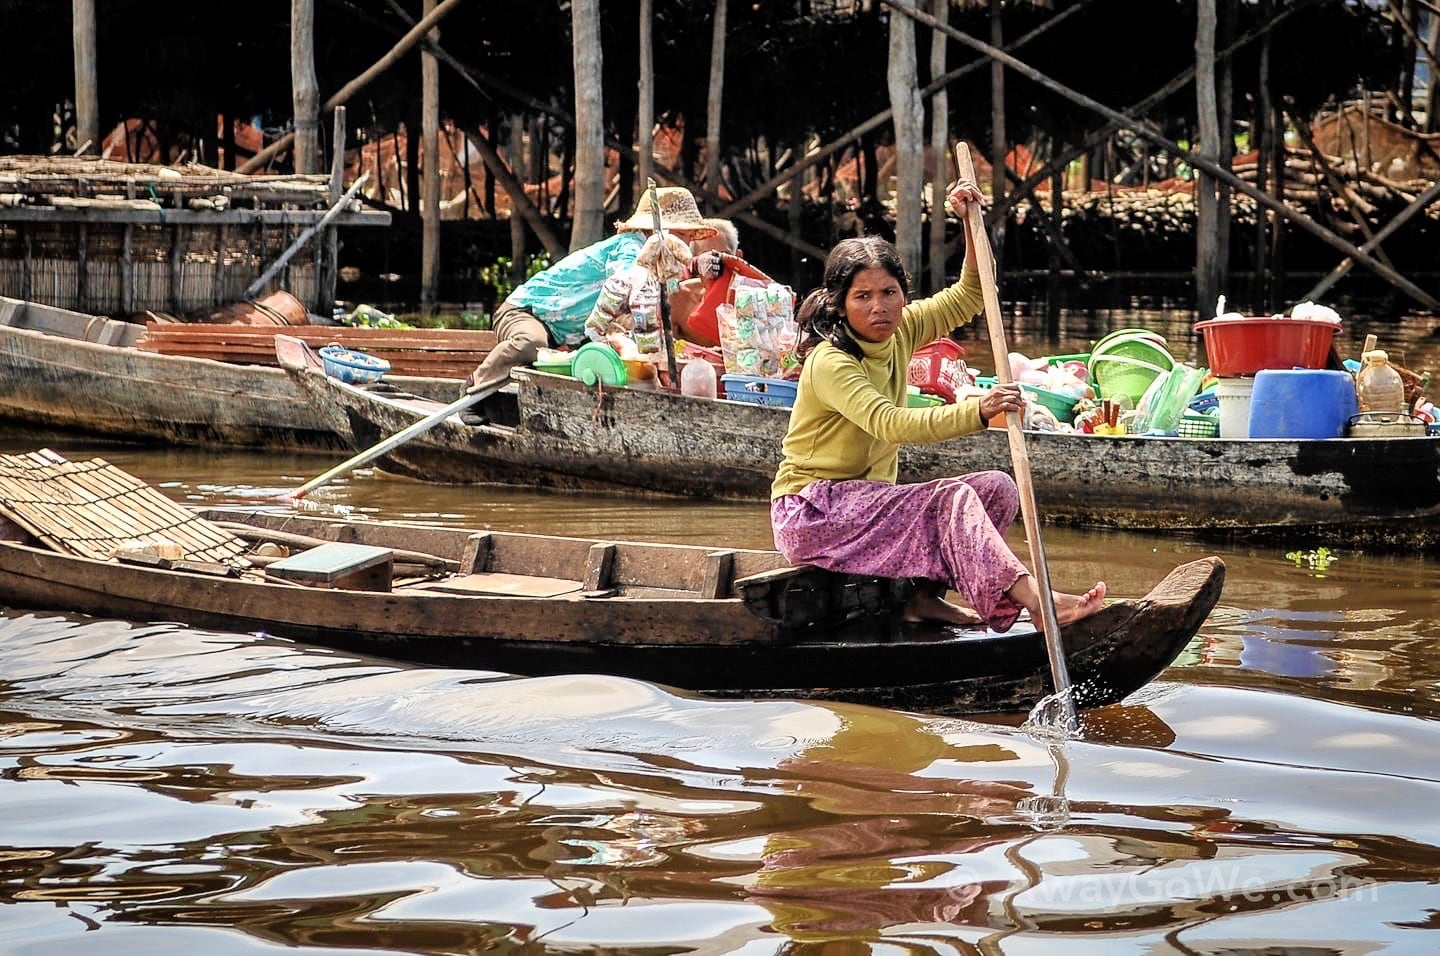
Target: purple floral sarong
{"x":950,"y":530}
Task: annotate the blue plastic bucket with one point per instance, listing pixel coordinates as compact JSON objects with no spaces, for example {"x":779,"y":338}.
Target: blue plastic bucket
{"x":1301,"y":403}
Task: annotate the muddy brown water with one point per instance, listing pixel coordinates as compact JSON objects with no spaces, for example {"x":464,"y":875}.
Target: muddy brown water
{"x":165,"y":789}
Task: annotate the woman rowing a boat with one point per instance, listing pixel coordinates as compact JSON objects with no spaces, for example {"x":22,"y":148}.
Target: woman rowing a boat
{"x":835,"y":502}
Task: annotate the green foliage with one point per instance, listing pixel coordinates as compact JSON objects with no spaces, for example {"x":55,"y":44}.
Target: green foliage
{"x":1318,"y":560}
{"x":497,"y":274}
{"x":369,"y":317}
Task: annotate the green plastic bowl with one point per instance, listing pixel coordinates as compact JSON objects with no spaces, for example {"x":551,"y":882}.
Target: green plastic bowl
{"x":1062,"y":405}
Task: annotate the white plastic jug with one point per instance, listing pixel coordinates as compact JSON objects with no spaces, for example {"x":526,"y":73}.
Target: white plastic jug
{"x":697,"y":379}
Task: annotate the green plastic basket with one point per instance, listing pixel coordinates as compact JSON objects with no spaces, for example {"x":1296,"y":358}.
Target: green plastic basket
{"x":1128,"y":362}
{"x":1198,"y":426}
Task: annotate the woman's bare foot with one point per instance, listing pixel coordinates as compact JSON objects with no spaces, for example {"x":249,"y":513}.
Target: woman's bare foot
{"x":1072,"y":607}
{"x":924,"y":606}
{"x":1068,"y":607}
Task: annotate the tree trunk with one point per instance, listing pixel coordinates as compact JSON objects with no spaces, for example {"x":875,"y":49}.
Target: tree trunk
{"x":520,"y":204}
{"x":998,"y":134}
{"x":625,"y":172}
{"x":645,"y":120}
{"x":87,"y":109}
{"x":430,"y":173}
{"x":330,"y":255}
{"x":589,"y":220}
{"x":909,"y":139}
{"x":1229,"y":16}
{"x":1262,"y":136}
{"x":714,"y":99}
{"x":413,"y":136}
{"x":304,"y":89}
{"x":939,"y":148}
{"x":795,"y":214}
{"x":516,"y":155}
{"x":1432,"y":94}
{"x":260,"y":159}
{"x":1207,"y":266}
{"x":1410,"y":49}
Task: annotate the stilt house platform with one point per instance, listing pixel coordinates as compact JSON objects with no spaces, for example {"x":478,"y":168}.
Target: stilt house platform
{"x":113,"y":238}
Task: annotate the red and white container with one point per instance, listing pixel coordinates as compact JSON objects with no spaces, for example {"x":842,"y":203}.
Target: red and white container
{"x":939,"y":369}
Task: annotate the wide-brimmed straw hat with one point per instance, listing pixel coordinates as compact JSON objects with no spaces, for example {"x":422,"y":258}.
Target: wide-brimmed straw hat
{"x":678,"y":212}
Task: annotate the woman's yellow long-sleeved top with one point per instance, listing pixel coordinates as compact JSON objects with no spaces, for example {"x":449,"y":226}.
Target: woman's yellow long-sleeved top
{"x":850,"y":416}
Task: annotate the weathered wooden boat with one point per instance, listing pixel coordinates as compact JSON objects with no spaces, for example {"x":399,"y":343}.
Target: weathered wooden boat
{"x":81,"y":373}
{"x":554,"y":431}
{"x":87,"y":537}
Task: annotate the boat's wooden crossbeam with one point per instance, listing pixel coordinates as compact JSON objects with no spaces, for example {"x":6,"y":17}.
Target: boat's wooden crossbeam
{"x":92,"y":509}
{"x":600,"y":564}
{"x":597,"y":568}
{"x":719,"y":573}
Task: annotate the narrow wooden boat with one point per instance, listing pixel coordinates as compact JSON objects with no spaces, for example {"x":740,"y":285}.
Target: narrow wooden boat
{"x":554,"y":431}
{"x":68,"y":371}
{"x":86,"y":537}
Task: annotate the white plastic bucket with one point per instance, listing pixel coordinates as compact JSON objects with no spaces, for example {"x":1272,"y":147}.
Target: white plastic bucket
{"x":1233,"y":394}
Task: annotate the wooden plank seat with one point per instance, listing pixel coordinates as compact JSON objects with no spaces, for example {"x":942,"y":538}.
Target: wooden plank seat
{"x":344,"y":567}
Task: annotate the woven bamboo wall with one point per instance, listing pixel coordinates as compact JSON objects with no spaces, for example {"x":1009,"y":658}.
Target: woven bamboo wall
{"x":122,"y":238}
{"x":164,"y":278}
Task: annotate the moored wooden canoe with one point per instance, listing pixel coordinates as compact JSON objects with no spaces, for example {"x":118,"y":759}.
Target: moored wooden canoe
{"x":553,"y":431}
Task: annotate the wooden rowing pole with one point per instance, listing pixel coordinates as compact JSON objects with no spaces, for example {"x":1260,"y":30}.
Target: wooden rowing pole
{"x":1020,"y":460}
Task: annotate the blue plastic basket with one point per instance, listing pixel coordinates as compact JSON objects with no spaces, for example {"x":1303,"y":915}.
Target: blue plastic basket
{"x":758,"y":391}
{"x":351,"y":366}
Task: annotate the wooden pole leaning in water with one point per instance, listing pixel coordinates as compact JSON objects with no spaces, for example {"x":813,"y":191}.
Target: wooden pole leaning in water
{"x":1020,"y":460}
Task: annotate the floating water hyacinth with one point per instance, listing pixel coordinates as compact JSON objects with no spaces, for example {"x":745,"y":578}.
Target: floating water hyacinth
{"x":1317,"y":560}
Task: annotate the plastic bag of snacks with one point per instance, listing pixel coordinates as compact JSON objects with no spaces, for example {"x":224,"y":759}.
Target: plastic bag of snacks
{"x":758,"y":334}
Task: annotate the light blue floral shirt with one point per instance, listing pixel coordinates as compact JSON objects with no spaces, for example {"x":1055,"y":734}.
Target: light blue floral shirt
{"x":564,"y":295}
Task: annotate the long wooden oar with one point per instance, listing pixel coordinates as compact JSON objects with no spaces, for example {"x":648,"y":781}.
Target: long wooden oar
{"x":395,"y":440}
{"x":667,"y":335}
{"x":1015,"y":429}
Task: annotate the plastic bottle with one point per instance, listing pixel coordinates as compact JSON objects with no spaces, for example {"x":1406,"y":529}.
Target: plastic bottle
{"x":698,"y":379}
{"x":1378,"y":386}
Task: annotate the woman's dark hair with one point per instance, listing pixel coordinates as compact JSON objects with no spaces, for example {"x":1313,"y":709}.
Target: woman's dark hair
{"x":821,"y":315}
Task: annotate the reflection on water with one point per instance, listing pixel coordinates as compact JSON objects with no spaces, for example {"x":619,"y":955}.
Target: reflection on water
{"x":166,"y":789}
{"x":240,"y":791}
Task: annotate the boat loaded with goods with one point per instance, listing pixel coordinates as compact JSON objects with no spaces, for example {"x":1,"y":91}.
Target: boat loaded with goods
{"x":1276,"y":438}
{"x":86,"y":537}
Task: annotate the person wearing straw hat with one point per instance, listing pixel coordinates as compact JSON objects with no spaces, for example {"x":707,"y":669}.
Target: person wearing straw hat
{"x":551,"y":307}
{"x":835,"y":502}
{"x":627,"y":314}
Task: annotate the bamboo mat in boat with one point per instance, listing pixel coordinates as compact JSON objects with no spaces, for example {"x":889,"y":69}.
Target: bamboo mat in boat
{"x":91,"y":508}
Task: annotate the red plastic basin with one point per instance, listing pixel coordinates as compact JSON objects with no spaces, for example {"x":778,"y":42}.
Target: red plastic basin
{"x":1245,"y":346}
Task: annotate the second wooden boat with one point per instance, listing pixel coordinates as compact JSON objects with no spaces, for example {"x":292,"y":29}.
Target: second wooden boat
{"x":86,"y":537}
{"x":553,"y":431}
